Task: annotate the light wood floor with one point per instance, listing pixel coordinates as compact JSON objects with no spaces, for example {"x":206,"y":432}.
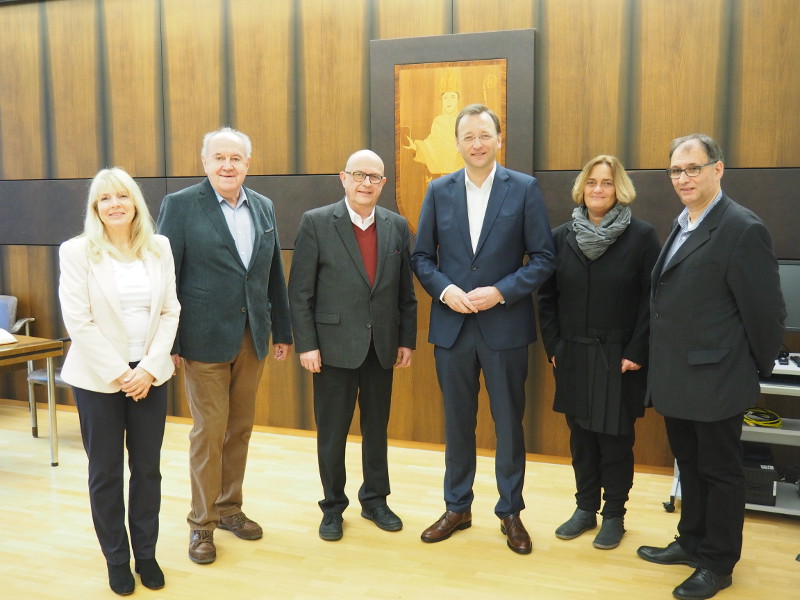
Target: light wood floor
{"x":49,"y":549}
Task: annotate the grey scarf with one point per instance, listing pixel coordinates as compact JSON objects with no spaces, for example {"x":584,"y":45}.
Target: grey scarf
{"x":593,"y":239}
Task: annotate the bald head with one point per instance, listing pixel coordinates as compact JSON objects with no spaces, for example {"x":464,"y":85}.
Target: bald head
{"x":362,"y":155}
{"x":363,"y":181}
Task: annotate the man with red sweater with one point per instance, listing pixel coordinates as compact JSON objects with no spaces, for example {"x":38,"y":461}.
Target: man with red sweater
{"x":354,"y":316}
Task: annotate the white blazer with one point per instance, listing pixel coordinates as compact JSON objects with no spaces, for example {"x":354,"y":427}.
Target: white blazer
{"x":92,"y":313}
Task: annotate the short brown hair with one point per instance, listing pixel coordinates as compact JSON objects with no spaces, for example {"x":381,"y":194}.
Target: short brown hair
{"x":623,"y":186}
{"x":477,"y":109}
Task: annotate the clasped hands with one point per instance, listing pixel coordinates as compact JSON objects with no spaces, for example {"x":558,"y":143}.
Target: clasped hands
{"x":136,"y":383}
{"x":482,"y":298}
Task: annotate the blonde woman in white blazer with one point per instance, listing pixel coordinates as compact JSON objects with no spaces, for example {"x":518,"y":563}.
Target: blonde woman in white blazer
{"x":118,"y":301}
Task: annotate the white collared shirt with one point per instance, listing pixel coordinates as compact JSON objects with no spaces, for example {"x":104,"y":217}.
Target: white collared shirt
{"x":364,"y":223}
{"x":477,"y":201}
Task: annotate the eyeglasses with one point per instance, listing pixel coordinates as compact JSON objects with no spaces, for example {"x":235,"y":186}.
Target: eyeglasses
{"x":675,"y":173}
{"x":606,"y":184}
{"x":360,"y":176}
{"x":470,"y":139}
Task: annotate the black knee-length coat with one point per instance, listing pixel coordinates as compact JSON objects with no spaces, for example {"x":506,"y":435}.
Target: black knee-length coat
{"x":594,"y":313}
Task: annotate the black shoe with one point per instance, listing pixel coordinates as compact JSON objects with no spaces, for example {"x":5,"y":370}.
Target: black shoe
{"x":702,"y":584}
{"x":383,"y":517}
{"x":331,"y":527}
{"x":120,"y":579}
{"x":610,"y":534}
{"x":671,"y":555}
{"x":580,"y":521}
{"x":150,"y":573}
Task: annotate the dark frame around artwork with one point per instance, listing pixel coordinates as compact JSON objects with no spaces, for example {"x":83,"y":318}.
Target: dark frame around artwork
{"x":516,"y":47}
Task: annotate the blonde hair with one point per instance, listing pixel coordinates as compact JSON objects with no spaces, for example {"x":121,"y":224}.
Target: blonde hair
{"x":623,"y":186}
{"x":142,"y":230}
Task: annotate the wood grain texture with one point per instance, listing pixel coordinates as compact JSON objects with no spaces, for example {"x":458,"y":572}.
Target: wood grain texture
{"x":769,"y":87}
{"x":413,"y":18}
{"x":194,"y":80}
{"x":264,"y":82}
{"x":133,"y":63}
{"x":291,"y":562}
{"x":581,"y":97}
{"x":334,"y":83}
{"x":76,"y":114}
{"x":471,"y":16}
{"x":22,"y":145}
{"x":677,"y":87}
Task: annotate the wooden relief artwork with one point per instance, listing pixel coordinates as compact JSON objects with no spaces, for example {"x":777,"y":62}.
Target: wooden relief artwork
{"x":428,"y":98}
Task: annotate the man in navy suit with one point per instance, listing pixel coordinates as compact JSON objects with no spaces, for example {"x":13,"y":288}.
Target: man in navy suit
{"x":716,"y":323}
{"x":476,"y":228}
{"x":232,"y":292}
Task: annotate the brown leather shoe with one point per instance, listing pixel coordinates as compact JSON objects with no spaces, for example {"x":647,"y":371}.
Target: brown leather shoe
{"x":518,"y":539}
{"x":446,"y":525}
{"x":201,"y":546}
{"x":241,"y":526}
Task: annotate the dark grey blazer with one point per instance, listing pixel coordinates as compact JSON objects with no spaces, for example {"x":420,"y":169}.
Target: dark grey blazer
{"x":716,"y":317}
{"x":218,"y":294}
{"x":334,"y":308}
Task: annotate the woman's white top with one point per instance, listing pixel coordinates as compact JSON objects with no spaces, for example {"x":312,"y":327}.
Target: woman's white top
{"x":135,"y":293}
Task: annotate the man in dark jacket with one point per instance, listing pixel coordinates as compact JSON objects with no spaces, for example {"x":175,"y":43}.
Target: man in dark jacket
{"x":716,"y":324}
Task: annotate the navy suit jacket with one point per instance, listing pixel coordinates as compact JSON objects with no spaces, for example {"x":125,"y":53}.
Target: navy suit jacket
{"x":219,"y":294}
{"x":515,"y":227}
{"x":716,"y":317}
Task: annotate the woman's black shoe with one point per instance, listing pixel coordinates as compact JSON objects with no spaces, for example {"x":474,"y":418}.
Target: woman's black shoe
{"x":150,"y":573}
{"x":120,"y":579}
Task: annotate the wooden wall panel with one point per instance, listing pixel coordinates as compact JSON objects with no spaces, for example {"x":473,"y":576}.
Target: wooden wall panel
{"x":195,"y":80}
{"x":334,"y":83}
{"x":133,"y":71}
{"x":766,"y":128}
{"x":677,"y":86}
{"x":76,"y":115}
{"x":139,"y":83}
{"x":471,"y":16}
{"x":413,"y":18}
{"x":264,"y":84}
{"x":581,"y":83}
{"x":22,"y":149}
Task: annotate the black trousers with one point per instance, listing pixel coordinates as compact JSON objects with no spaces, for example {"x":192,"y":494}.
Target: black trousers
{"x":109,"y":423}
{"x":336,"y":391}
{"x":709,"y":457}
{"x":601,"y":462}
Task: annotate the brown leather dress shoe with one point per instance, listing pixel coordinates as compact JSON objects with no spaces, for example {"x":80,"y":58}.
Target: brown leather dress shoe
{"x":517,"y":536}
{"x":241,"y":526}
{"x":446,"y":525}
{"x":201,"y":546}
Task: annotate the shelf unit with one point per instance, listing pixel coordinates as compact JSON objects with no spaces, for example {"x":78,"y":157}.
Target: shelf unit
{"x":787,"y":501}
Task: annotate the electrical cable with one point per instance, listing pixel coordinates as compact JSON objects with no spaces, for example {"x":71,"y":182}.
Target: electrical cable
{"x":755,"y":416}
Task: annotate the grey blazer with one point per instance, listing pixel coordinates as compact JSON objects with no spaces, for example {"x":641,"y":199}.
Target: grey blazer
{"x":218,"y":294}
{"x":716,"y":317}
{"x":334,"y":309}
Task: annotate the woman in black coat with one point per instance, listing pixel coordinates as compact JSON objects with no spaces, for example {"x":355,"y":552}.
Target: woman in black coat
{"x":594,"y":314}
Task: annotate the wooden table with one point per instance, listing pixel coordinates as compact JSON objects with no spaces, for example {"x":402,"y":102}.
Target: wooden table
{"x":29,"y":349}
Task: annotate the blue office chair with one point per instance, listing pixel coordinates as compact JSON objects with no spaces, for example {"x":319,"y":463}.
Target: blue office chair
{"x":8,"y":316}
{"x":9,"y":322}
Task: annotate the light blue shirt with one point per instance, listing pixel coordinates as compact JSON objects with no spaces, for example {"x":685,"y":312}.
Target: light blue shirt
{"x":240,"y":224}
{"x":686,"y":228}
